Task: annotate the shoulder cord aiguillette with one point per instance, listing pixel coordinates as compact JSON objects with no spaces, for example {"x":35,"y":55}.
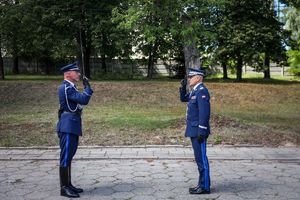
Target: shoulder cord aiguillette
{"x":68,"y":100}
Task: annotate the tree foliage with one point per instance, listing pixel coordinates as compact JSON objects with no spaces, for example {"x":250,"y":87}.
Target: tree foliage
{"x":189,"y":31}
{"x":246,"y":29}
{"x":292,"y":24}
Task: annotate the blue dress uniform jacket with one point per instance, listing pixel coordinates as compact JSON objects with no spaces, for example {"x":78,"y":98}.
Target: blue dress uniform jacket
{"x":71,"y":101}
{"x":198,"y":111}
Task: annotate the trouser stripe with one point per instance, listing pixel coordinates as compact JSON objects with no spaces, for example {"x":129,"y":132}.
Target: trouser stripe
{"x":67,"y":150}
{"x":205,"y":164}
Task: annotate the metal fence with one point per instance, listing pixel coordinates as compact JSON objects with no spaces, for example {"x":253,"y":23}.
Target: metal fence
{"x":129,"y":68}
{"x":121,"y":67}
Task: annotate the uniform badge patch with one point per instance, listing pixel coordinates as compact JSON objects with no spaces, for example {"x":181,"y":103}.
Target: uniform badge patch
{"x":193,"y":97}
{"x":203,"y":96}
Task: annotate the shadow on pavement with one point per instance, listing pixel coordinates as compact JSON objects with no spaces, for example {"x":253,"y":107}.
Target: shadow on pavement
{"x":236,"y":186}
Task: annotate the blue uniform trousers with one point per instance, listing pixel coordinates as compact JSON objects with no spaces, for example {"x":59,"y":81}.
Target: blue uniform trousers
{"x":68,"y":147}
{"x":202,"y":163}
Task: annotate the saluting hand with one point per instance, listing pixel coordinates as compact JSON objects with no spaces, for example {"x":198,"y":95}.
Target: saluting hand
{"x":85,"y":81}
{"x":183,"y":83}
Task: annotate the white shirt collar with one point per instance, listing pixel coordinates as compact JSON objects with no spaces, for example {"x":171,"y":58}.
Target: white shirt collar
{"x":72,"y":84}
{"x":194,"y":88}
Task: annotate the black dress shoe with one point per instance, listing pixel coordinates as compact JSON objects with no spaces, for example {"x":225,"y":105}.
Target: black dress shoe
{"x":67,"y":192}
{"x":194,"y":188}
{"x":77,"y":190}
{"x":198,"y":190}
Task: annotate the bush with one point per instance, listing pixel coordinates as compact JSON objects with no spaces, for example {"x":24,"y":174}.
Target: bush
{"x":294,"y":61}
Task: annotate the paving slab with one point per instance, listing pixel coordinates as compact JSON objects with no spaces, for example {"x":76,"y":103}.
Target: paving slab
{"x":152,"y":173}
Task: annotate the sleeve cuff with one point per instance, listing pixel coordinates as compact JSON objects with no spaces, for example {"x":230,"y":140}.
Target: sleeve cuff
{"x":203,"y":127}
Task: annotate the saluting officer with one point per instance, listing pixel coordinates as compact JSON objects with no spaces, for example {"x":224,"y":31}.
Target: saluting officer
{"x":69,"y":124}
{"x":197,"y":124}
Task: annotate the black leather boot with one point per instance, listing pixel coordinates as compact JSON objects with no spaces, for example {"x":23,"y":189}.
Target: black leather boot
{"x":198,"y":190}
{"x":65,"y":190}
{"x":193,"y":188}
{"x":77,"y":190}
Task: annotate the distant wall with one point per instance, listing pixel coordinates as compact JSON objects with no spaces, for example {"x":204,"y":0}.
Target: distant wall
{"x":115,"y":66}
{"x":130,"y":68}
{"x":274,"y":70}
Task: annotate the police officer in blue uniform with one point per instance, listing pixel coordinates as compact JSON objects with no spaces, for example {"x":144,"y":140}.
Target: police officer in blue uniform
{"x":197,"y":124}
{"x":69,"y":124}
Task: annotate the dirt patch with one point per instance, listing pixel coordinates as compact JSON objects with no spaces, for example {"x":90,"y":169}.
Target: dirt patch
{"x":27,"y":134}
{"x":231,"y":131}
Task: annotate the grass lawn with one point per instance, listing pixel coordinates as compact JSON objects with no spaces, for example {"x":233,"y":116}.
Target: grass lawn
{"x":149,"y":112}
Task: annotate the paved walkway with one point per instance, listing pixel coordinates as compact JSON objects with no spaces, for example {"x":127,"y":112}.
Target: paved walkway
{"x":152,"y":172}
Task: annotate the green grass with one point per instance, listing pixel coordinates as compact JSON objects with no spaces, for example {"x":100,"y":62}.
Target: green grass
{"x":249,"y":77}
{"x":28,"y":117}
{"x":33,"y":77}
{"x":257,"y":76}
{"x":120,"y":115}
{"x":254,"y":78}
{"x":149,"y":112}
{"x":280,"y":113}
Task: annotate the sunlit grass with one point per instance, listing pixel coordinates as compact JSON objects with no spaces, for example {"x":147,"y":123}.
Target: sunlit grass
{"x":131,"y":116}
{"x":33,"y":77}
{"x":247,"y":76}
{"x":253,"y":78}
{"x":139,"y":112}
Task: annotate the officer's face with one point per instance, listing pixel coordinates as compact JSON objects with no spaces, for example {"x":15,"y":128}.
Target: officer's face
{"x":193,"y":80}
{"x":74,"y":76}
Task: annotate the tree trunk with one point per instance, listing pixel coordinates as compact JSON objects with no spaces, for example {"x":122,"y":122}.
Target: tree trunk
{"x":87,"y":56}
{"x":48,"y":64}
{"x":152,"y":59}
{"x":267,"y":67}
{"x":103,"y":51}
{"x":224,"y":66}
{"x":191,"y":53}
{"x":153,"y":47}
{"x":239,"y":67}
{"x":103,"y":62}
{"x":150,"y":62}
{"x":191,"y":56}
{"x":16,"y":65}
{"x":47,"y":71}
{"x":2,"y":77}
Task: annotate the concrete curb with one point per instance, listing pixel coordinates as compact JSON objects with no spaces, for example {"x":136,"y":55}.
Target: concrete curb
{"x":138,"y":146}
{"x":281,"y":160}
